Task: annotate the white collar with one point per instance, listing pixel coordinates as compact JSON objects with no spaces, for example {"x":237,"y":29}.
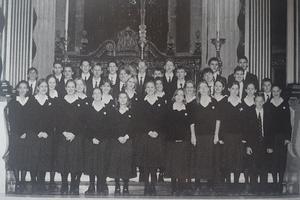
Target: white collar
{"x":190,"y":100}
{"x":112,"y":75}
{"x":233,"y":102}
{"x":169,"y":75}
{"x":81,"y":95}
{"x":87,"y":76}
{"x":106,"y":98}
{"x":41,"y":99}
{"x":178,"y":107}
{"x":160,"y":94}
{"x":22,"y":102}
{"x":277,"y":103}
{"x":248,"y":102}
{"x":71,"y":100}
{"x":151,"y":100}
{"x":130,"y":94}
{"x":206,"y":102}
{"x":54,"y":94}
{"x":219,"y":98}
{"x":259,"y":111}
{"x":98,"y":107}
{"x":123,"y":110}
{"x":58,"y":77}
{"x":98,"y":79}
{"x":32,"y":82}
{"x":142,"y":75}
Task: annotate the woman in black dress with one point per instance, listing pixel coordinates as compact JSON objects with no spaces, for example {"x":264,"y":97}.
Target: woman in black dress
{"x":19,"y":112}
{"x":130,"y":89}
{"x":107,"y":97}
{"x":280,"y":135}
{"x":231,"y":131}
{"x":42,"y":137}
{"x":205,"y":126}
{"x":248,"y":101}
{"x":178,"y":143}
{"x":70,"y":153}
{"x":151,"y":115}
{"x":121,"y":158}
{"x":96,"y":143}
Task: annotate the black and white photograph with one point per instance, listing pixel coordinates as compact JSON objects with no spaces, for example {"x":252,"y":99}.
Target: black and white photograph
{"x":150,"y":99}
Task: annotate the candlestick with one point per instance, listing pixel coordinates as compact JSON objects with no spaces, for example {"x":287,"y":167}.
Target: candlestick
{"x":218,"y":19}
{"x":66,"y":24}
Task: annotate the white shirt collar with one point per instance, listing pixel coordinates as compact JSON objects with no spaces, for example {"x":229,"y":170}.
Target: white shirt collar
{"x":71,"y":100}
{"x":22,"y":102}
{"x":85,"y":76}
{"x":58,"y":77}
{"x":259,"y":111}
{"x":141,"y":75}
{"x":169,"y":75}
{"x":178,"y":107}
{"x":106,"y":98}
{"x":112,"y":76}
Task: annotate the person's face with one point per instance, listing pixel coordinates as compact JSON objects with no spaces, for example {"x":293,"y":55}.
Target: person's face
{"x":112,"y":68}
{"x":68,"y":73}
{"x":123,"y":76}
{"x":97,"y":94}
{"x":106,"y":88}
{"x":159,"y":86}
{"x":123,"y":99}
{"x":57,"y":69}
{"x":130,"y":84}
{"x":32,"y":75}
{"x":23,"y":89}
{"x":203,"y":89}
{"x":70,"y":88}
{"x":189,"y":89}
{"x":214,"y":65}
{"x":219,"y":88}
{"x":267,"y":86}
{"x":243,"y":63}
{"x":97,"y":71}
{"x":239,"y":76}
{"x":259,"y":102}
{"x":276,"y":91}
{"x":181,"y":74}
{"x":85,"y":67}
{"x":43,"y":88}
{"x":169,"y":67}
{"x":179,"y":97}
{"x":52,"y":83}
{"x":79,"y":86}
{"x":250,"y":90}
{"x":157,"y":74}
{"x":234,"y":90}
{"x":150,"y":88}
{"x":142,"y":67}
{"x":208,"y":77}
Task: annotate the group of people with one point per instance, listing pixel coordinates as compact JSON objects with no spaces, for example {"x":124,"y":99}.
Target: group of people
{"x":118,"y":123}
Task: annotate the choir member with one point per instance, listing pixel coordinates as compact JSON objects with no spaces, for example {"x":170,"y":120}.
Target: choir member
{"x":258,"y":127}
{"x":231,"y":129}
{"x":32,"y":74}
{"x":96,"y":143}
{"x":248,"y":101}
{"x":158,"y":72}
{"x":113,"y":73}
{"x":69,"y":156}
{"x":81,"y":90}
{"x":151,"y":121}
{"x":142,"y":78}
{"x":239,"y":77}
{"x":95,"y":81}
{"x":207,"y":76}
{"x":181,"y":75}
{"x":280,"y":135}
{"x":177,"y":137}
{"x":68,"y":75}
{"x":124,"y":75}
{"x":190,"y":95}
{"x":85,"y":68}
{"x":170,"y":79}
{"x":218,"y":93}
{"x":267,"y":89}
{"x":42,"y":137}
{"x":204,"y":127}
{"x":159,"y":85}
{"x":57,"y":70}
{"x":107,"y":97}
{"x":213,"y":64}
{"x":121,"y":157}
{"x":130,"y":90}
{"x":248,"y":77}
{"x":19,"y":116}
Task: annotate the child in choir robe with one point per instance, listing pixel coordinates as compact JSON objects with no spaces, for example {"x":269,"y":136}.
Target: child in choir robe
{"x":42,"y":137}
{"x":258,"y":127}
{"x":70,"y":153}
{"x":177,"y":137}
{"x":158,"y":72}
{"x":207,"y":76}
{"x":204,"y":128}
{"x":151,"y":115}
{"x":95,"y":81}
{"x":53,"y":95}
{"x":19,"y":116}
{"x":107,"y":97}
{"x":85,"y":68}
{"x":267,"y":90}
{"x":231,"y":131}
{"x":121,"y":155}
{"x":32,"y":74}
{"x":280,"y":135}
{"x":96,"y":144}
{"x":57,"y":70}
{"x":181,"y":76}
{"x":170,"y":79}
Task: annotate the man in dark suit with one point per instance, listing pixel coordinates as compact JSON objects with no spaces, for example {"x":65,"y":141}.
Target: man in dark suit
{"x":266,"y":89}
{"x":57,"y":71}
{"x":248,"y":77}
{"x":181,"y":75}
{"x":239,"y":77}
{"x":169,"y":79}
{"x":257,"y":128}
{"x":142,"y":78}
{"x":213,"y":64}
{"x":96,"y":80}
{"x":32,"y":74}
{"x":85,"y":68}
{"x":124,"y":75}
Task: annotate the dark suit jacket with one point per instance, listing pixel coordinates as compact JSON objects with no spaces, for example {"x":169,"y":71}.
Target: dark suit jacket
{"x":89,"y":86}
{"x":170,"y":87}
{"x":141,"y":88}
{"x":250,"y":78}
{"x":60,"y":86}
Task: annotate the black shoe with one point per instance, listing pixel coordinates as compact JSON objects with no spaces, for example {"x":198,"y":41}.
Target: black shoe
{"x":117,"y":190}
{"x":90,"y":190}
{"x":125,"y":190}
{"x":17,"y":188}
{"x":64,"y":190}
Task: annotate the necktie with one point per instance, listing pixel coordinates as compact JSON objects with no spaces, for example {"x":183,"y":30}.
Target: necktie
{"x":141,"y":81}
{"x":181,"y":85}
{"x":260,"y":127}
{"x":268,"y":97}
{"x":96,"y":84}
{"x":31,"y":89}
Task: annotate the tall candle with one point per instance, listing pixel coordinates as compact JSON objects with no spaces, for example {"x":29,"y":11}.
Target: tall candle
{"x":218,"y":19}
{"x":67,"y":20}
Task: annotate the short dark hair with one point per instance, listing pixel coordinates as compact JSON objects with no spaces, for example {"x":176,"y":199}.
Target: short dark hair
{"x":57,"y":62}
{"x":213,"y":59}
{"x":260,"y":94}
{"x":233,"y":83}
{"x":238,"y":69}
{"x":32,"y":69}
{"x":267,"y":80}
{"x":18,"y":85}
{"x":159,"y":69}
{"x":85,"y":60}
{"x":181,"y":67}
{"x":243,"y":57}
{"x":207,"y":70}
